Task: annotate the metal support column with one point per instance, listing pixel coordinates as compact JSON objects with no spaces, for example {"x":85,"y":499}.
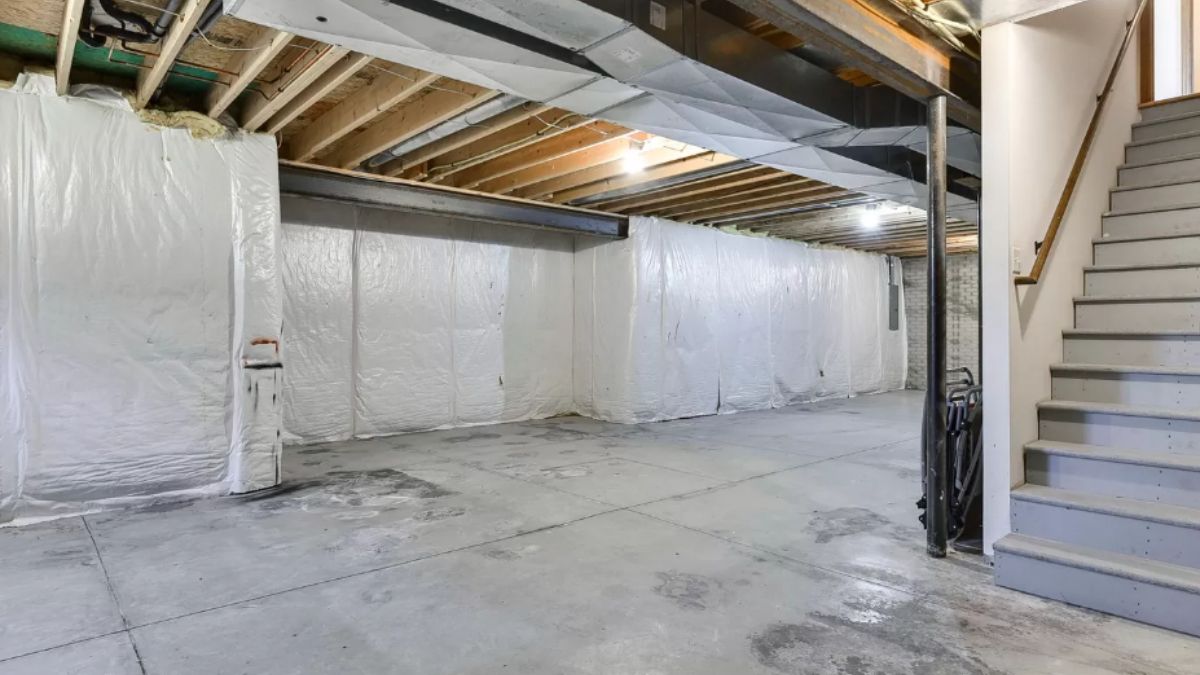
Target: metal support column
{"x":936,"y":479}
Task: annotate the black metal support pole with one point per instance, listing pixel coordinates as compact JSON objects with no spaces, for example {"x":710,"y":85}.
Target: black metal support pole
{"x":936,"y":510}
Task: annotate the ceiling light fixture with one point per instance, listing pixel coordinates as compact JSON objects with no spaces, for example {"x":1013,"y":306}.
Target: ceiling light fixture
{"x":633,"y":162}
{"x":870,"y":217}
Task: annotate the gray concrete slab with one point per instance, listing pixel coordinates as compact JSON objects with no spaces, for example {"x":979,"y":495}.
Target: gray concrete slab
{"x":108,"y":655}
{"x":53,"y":588}
{"x":514,"y":548}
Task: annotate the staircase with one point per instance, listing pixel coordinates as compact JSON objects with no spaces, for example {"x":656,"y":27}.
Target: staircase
{"x":1109,"y":515}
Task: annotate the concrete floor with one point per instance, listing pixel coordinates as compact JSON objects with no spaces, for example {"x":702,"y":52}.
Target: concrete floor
{"x":781,"y":541}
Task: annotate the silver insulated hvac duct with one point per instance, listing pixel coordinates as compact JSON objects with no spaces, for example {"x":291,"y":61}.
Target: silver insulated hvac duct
{"x":661,"y":66}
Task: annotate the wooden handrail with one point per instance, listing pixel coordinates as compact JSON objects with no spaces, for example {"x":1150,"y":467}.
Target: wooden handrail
{"x":1064,"y":200}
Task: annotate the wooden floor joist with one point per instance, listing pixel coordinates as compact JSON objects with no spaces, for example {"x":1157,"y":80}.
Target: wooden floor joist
{"x":389,"y":90}
{"x":149,"y":80}
{"x":343,"y":70}
{"x":561,"y":145}
{"x":271,"y":99}
{"x":72,"y":14}
{"x":248,"y":65}
{"x":738,"y":195}
{"x":536,"y":129}
{"x":770,"y":204}
{"x":700,"y":162}
{"x":429,"y":108}
{"x":604,"y":171}
{"x":570,"y":164}
{"x":671,"y":195}
{"x":477,"y":131}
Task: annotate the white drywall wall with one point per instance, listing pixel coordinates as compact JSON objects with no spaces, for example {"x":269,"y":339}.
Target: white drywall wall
{"x":679,"y":320}
{"x":399,"y":322}
{"x":1040,"y":82}
{"x":137,"y":264}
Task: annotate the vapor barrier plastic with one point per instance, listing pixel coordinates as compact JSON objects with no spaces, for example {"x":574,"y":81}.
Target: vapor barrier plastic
{"x":137,"y":263}
{"x":400,"y":322}
{"x":680,"y":320}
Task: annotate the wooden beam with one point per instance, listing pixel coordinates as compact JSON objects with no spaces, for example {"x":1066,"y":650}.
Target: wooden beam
{"x":607,"y":151}
{"x":859,"y":36}
{"x":672,"y":194}
{"x":582,"y":138}
{"x":707,"y":160}
{"x":324,"y":85}
{"x":736,"y":195}
{"x":273,"y":97}
{"x":611,"y":169}
{"x":471,"y":134}
{"x":389,"y":90}
{"x":148,"y":80}
{"x":72,"y":14}
{"x":769,"y":203}
{"x":522,"y":135}
{"x":262,"y":50}
{"x":430,"y":108}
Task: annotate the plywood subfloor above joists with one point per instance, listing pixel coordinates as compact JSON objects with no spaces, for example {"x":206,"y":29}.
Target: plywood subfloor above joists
{"x":336,"y":108}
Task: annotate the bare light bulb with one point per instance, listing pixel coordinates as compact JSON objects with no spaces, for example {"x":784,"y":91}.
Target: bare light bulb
{"x":870,"y":217}
{"x":633,"y":162}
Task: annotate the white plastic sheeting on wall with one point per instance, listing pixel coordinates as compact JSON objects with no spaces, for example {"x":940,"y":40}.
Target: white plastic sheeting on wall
{"x":400,"y":322}
{"x":136,"y":263}
{"x":681,"y":320}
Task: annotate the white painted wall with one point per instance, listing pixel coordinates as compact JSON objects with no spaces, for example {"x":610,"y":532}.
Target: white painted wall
{"x":1040,"y":81}
{"x":1169,"y":79}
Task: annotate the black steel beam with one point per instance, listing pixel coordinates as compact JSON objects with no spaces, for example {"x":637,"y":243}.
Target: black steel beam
{"x":382,"y":192}
{"x":936,"y":468}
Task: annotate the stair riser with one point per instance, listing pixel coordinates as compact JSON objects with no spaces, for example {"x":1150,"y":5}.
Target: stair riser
{"x":1164,"y":315}
{"x":1179,"y":221}
{"x":1114,"y":479}
{"x":1135,"y":154}
{"x":1132,"y":351}
{"x":1120,"y":431}
{"x":1125,"y":535}
{"x":1143,"y":282}
{"x":1157,"y":391}
{"x":1148,"y":252}
{"x":1166,"y":128}
{"x":1157,"y":605}
{"x":1154,"y":173}
{"x":1162,"y":110}
{"x":1154,"y":197}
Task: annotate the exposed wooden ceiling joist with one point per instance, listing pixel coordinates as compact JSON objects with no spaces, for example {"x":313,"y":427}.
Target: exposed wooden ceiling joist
{"x":607,"y":151}
{"x":671,"y":195}
{"x":248,"y":65}
{"x":475,"y":132}
{"x":607,"y":170}
{"x":739,"y":195}
{"x":538,"y":128}
{"x":391,"y":89}
{"x":683,"y":166}
{"x":588,"y":136}
{"x":150,"y":79}
{"x":809,"y":195}
{"x":330,"y":80}
{"x":425,"y":110}
{"x":72,"y":14}
{"x":273,"y":97}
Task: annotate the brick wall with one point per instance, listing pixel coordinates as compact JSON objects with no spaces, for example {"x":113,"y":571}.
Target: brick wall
{"x":962,"y":314}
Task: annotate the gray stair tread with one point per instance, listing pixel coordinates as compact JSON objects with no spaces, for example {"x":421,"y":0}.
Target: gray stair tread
{"x":1098,"y":299}
{"x":1109,"y":332}
{"x":1119,"y":409}
{"x":1169,"y":118}
{"x":1143,"y":237}
{"x":1162,"y":460}
{"x":1130,"y":567}
{"x":1156,"y":184}
{"x":1157,"y":512}
{"x":1154,"y":209}
{"x":1166,"y":160}
{"x":1123,"y":369}
{"x":1141,"y":266}
{"x":1164,"y":139}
